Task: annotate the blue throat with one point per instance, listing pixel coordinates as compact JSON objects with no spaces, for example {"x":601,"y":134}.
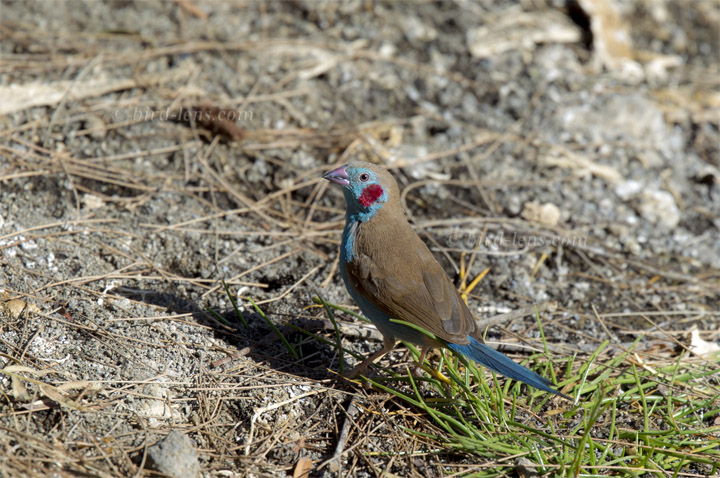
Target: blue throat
{"x":347,"y":248}
{"x":355,"y":215}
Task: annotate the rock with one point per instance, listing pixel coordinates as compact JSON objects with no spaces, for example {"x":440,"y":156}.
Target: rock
{"x":628,"y":189}
{"x":659,"y":207}
{"x":175,"y":456}
{"x":157,"y":410}
{"x":616,"y":118}
{"x":547,"y":214}
{"x":526,"y":468}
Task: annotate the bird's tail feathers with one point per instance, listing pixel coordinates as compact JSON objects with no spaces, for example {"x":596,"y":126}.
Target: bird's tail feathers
{"x":499,"y":363}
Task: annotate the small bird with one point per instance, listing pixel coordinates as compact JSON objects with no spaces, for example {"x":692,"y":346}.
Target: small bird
{"x":391,"y":274}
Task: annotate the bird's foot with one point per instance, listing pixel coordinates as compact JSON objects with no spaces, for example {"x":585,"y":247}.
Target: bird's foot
{"x":388,"y":344}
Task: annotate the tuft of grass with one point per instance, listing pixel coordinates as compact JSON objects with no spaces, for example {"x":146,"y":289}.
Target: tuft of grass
{"x":626,"y":419}
{"x":238,"y":313}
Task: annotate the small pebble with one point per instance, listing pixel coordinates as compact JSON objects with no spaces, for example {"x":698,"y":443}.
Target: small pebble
{"x":175,"y":456}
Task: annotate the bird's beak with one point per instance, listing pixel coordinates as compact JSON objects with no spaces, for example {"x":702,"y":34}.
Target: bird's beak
{"x":338,"y":176}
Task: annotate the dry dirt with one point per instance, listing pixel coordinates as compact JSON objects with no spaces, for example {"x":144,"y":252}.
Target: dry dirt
{"x":588,"y":179}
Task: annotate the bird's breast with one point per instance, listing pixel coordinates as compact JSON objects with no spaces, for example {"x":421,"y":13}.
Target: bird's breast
{"x":361,"y":286}
{"x":347,"y":247}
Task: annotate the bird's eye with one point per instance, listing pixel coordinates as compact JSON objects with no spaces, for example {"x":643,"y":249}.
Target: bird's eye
{"x":364,"y":177}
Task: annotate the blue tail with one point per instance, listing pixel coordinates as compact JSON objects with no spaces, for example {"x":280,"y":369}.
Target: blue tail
{"x":499,"y":363}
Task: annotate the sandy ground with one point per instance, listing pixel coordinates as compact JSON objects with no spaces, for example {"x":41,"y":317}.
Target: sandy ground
{"x":577,"y":170}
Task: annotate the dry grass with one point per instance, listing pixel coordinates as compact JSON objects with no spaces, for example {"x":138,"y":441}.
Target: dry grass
{"x":643,"y":407}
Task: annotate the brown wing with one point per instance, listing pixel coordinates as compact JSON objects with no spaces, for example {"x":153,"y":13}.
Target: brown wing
{"x":397,"y":272}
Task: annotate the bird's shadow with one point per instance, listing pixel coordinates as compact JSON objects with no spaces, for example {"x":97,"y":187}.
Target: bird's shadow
{"x":251,"y":336}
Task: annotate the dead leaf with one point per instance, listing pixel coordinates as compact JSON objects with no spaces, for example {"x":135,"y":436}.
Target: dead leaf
{"x":303,"y":468}
{"x":580,"y":165}
{"x":611,"y":35}
{"x":15,"y":308}
{"x":702,"y":347}
{"x":219,"y":121}
{"x":19,"y":97}
{"x":519,"y":30}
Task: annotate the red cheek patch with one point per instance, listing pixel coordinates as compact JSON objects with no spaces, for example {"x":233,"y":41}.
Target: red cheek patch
{"x":370,"y":194}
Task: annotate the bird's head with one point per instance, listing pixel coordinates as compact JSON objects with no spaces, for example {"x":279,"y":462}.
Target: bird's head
{"x":367,"y":188}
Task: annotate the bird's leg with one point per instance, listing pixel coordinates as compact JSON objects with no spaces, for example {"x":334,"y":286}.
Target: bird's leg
{"x":423,"y":353}
{"x":388,"y":344}
{"x":418,"y":366}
